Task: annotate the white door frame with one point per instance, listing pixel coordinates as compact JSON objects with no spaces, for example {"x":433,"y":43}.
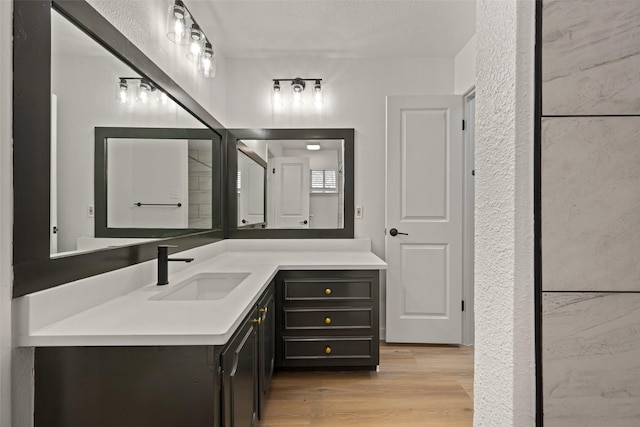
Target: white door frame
{"x":468,"y":233}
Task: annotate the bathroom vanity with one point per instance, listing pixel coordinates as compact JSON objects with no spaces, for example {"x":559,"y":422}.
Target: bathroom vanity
{"x":157,"y":356}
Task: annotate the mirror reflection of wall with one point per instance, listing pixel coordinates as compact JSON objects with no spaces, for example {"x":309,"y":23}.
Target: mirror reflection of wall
{"x":84,"y":80}
{"x":159,"y":183}
{"x":305,"y":183}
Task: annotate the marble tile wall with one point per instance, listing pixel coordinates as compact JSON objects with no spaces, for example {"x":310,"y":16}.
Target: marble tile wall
{"x":591,"y":57}
{"x":590,"y":204}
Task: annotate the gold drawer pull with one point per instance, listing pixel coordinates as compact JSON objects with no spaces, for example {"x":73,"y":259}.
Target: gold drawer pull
{"x":258,"y":320}
{"x":327,"y":291}
{"x":264,"y":310}
{"x":327,"y":350}
{"x":327,"y":320}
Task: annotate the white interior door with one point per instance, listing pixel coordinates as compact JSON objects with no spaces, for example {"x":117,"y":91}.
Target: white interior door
{"x":424,"y":200}
{"x":291,"y":192}
{"x":251,"y":194}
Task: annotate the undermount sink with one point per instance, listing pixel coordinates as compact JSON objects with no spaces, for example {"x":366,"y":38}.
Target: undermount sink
{"x":203,"y":287}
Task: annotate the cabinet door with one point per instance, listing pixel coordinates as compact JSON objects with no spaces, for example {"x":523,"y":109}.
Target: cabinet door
{"x":267,"y":349}
{"x":240,"y":379}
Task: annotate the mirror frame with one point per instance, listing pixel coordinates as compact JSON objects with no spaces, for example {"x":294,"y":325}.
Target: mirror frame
{"x":33,"y":268}
{"x":102,"y":134}
{"x":235,"y":135}
{"x":260,"y":161}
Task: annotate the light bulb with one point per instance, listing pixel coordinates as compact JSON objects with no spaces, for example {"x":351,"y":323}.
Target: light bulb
{"x":318,"y":96}
{"x":122,"y":94}
{"x":277,"y":95}
{"x":196,"y":41}
{"x":144,"y":92}
{"x":206,"y":64}
{"x":297,"y":86}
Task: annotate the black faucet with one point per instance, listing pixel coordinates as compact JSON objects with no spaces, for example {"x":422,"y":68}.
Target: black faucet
{"x":163,"y":263}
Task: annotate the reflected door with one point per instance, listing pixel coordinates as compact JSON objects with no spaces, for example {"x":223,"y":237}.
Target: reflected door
{"x":291,"y":192}
{"x":424,"y":200}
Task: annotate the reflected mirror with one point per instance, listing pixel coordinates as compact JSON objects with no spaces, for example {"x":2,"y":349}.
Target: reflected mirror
{"x":309,"y":182}
{"x":91,"y":89}
{"x":251,"y":188}
{"x":155,"y":182}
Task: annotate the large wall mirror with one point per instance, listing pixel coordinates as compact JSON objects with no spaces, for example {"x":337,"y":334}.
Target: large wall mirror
{"x":308,"y":187}
{"x":76,"y":76}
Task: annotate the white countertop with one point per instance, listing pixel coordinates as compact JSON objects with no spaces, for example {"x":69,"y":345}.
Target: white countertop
{"x":133,"y":319}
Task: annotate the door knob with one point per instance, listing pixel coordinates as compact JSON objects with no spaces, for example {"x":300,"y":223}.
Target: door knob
{"x":304,"y":222}
{"x":394,"y":232}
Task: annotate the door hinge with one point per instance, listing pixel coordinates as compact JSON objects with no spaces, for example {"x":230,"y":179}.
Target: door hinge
{"x":463,"y":125}
{"x":462,"y":305}
{"x":274,"y":170}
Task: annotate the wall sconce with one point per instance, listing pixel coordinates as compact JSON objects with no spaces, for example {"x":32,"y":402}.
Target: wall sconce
{"x":182,"y":29}
{"x":130,"y":89}
{"x":298,"y":85}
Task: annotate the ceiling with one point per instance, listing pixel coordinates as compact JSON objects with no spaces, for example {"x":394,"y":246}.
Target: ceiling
{"x":336,"y":28}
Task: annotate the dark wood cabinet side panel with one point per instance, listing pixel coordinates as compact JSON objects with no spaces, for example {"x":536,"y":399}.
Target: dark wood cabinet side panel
{"x":126,"y":386}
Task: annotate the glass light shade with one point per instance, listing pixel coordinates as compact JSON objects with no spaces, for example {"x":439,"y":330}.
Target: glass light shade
{"x":196,"y":43}
{"x":318,"y":94}
{"x":177,"y":18}
{"x":277,"y":95}
{"x":163,"y":98}
{"x":144,"y":92}
{"x":122,"y":92}
{"x":206,"y":63}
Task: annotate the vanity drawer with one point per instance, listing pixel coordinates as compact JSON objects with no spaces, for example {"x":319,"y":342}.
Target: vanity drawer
{"x":327,"y":289}
{"x":326,"y":319}
{"x":328,"y":348}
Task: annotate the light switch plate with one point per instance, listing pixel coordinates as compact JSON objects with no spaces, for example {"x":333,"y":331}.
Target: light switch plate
{"x":358,"y":212}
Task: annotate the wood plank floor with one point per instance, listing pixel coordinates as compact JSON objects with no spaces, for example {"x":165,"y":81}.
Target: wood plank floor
{"x":418,"y":385}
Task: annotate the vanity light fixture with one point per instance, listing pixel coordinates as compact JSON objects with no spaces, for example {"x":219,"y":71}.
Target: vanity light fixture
{"x":130,"y":89}
{"x":298,"y":86}
{"x":182,"y":29}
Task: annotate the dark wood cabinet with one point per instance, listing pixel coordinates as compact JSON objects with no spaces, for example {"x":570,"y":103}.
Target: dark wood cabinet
{"x":327,"y":319}
{"x":266,"y":344}
{"x":239,"y":362}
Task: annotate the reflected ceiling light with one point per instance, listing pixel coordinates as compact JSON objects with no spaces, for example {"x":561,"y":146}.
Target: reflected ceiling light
{"x":313,"y":147}
{"x":183,"y":29}
{"x":298,"y":86}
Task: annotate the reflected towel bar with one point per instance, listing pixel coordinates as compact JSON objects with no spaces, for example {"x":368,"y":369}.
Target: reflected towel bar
{"x":158,"y":204}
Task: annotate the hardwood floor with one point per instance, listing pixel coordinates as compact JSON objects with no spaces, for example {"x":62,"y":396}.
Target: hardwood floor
{"x":418,"y":385}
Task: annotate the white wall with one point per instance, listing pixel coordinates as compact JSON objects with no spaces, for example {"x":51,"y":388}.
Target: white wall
{"x":6,"y":209}
{"x":504,"y":390}
{"x":465,"y":67}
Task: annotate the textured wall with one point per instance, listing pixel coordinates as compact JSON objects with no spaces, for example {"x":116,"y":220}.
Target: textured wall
{"x":504,"y":357}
